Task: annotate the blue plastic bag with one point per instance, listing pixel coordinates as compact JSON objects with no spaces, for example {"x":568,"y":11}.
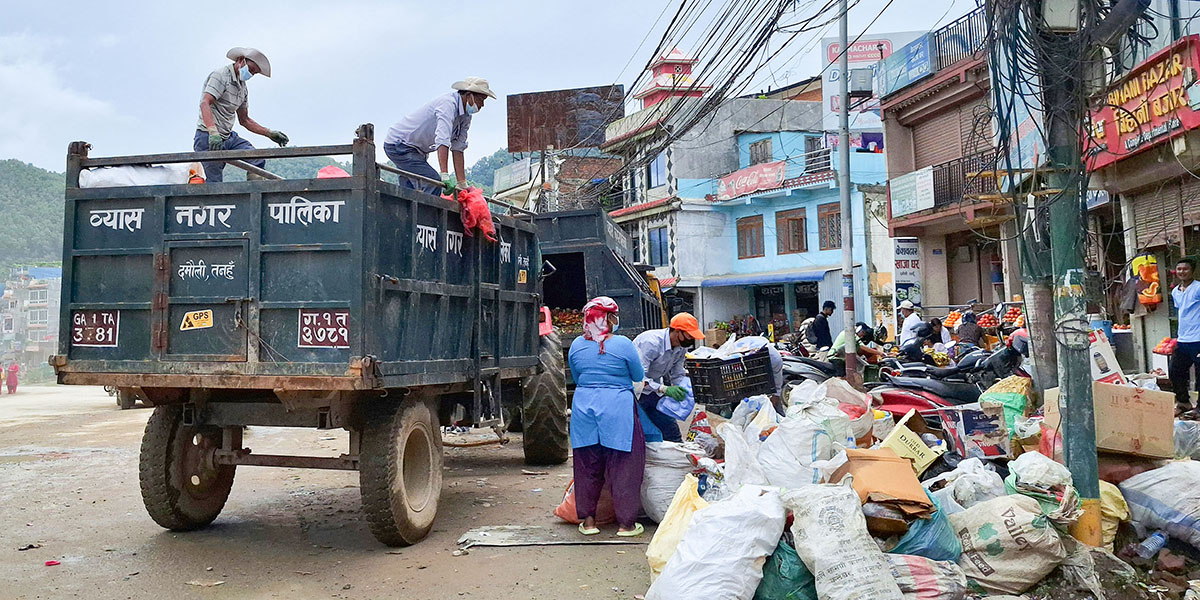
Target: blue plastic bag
{"x":932,"y":538}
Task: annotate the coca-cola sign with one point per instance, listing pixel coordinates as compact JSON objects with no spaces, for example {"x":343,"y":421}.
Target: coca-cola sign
{"x":762,"y":176}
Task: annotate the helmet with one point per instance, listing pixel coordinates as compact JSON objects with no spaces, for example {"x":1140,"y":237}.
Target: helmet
{"x":924,"y":331}
{"x":864,"y":332}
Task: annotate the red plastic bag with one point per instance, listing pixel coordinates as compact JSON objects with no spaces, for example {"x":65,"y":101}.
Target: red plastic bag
{"x":604,"y":508}
{"x":475,"y":212}
{"x":331,"y":172}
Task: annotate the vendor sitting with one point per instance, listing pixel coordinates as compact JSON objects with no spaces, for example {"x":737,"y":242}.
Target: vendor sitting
{"x":667,"y":393}
{"x":865,"y":335}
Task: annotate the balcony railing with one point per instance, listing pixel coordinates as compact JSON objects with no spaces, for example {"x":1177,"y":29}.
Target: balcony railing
{"x":960,"y":177}
{"x":959,"y":40}
{"x":818,"y":160}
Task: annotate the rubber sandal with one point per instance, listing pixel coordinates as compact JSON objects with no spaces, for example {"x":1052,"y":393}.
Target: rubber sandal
{"x":586,"y":531}
{"x":637,"y":530}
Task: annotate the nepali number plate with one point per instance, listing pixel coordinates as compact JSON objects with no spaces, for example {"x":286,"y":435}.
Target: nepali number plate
{"x":95,"y":328}
{"x":324,"y":328}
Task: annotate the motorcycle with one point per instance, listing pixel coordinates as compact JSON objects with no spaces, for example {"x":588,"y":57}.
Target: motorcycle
{"x":938,"y":388}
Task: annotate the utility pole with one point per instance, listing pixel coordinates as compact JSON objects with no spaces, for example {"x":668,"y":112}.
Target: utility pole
{"x":1062,"y":61}
{"x":852,"y":374}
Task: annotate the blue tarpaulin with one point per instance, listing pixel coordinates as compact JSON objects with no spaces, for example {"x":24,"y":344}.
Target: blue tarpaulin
{"x":45,"y":272}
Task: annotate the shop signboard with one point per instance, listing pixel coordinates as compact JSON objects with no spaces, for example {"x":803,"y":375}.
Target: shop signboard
{"x":907,"y":274}
{"x":1148,"y":106}
{"x":866,"y":51}
{"x":762,"y":176}
{"x":911,"y":192}
{"x":906,"y":66}
{"x":510,"y":176}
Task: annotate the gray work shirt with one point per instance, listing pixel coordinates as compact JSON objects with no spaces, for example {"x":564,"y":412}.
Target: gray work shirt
{"x":442,"y":122}
{"x":229,"y":94}
{"x":663,"y":364}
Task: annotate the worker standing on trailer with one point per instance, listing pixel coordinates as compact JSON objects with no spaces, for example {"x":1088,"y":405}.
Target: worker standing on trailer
{"x":225,"y":96}
{"x":439,"y":126}
{"x":667,"y":393}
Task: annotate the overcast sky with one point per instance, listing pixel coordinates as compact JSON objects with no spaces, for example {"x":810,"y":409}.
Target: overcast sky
{"x":127,"y":76}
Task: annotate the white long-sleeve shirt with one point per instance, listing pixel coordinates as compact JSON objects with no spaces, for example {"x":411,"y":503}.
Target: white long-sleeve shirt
{"x":663,"y":364}
{"x":442,"y":122}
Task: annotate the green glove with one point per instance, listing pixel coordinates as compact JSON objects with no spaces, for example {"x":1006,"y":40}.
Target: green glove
{"x":215,"y":141}
{"x":279,"y":137}
{"x":676,"y":393}
{"x":450,"y":183}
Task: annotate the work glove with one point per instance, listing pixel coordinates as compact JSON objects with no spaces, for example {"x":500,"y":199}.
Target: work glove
{"x":215,"y":141}
{"x":449,"y":182}
{"x":278,"y":137}
{"x":675,"y":392}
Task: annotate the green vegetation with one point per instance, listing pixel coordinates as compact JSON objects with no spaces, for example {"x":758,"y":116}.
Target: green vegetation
{"x":31,"y":214}
{"x":480,"y":173}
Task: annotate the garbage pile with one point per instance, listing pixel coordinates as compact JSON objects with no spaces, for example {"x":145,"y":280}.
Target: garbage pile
{"x":828,"y":498}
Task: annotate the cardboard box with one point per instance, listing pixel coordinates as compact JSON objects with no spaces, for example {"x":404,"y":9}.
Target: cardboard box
{"x":881,"y":476}
{"x":1103,"y":360}
{"x":713,"y":338}
{"x":906,"y":443}
{"x":1129,"y":420}
{"x":977,"y":430}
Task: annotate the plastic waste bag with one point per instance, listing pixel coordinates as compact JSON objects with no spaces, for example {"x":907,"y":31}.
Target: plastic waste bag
{"x":1008,"y":544}
{"x":1113,"y":510}
{"x":832,"y":539}
{"x":855,"y":404}
{"x":968,"y":484}
{"x":785,"y":577}
{"x":723,"y":551}
{"x":920,"y":578}
{"x":741,"y":459}
{"x":932,"y":538}
{"x":605,"y":513}
{"x":820,"y":409}
{"x":1036,"y":470}
{"x":806,"y":391}
{"x":1166,"y":498}
{"x":1187,"y":439}
{"x":667,"y":463}
{"x":787,"y":455}
{"x":674,"y":524}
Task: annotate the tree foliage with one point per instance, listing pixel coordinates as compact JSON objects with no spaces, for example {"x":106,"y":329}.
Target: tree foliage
{"x":31,"y":213}
{"x":480,"y":173}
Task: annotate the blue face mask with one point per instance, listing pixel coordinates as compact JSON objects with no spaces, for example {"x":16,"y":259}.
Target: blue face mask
{"x":471,"y":108}
{"x":245,"y":73}
{"x":615,"y":327}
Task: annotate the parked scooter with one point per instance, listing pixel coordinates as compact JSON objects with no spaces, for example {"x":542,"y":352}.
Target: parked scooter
{"x":942,"y":388}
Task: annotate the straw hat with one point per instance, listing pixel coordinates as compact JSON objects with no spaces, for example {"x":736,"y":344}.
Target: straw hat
{"x":264,"y":65}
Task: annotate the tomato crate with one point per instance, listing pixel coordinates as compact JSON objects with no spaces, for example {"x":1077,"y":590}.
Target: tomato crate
{"x":728,"y":381}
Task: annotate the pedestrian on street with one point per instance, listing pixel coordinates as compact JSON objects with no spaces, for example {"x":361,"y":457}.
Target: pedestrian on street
{"x":1186,"y":358}
{"x":440,"y":126}
{"x":821,"y":337}
{"x":225,"y":97}
{"x":10,"y":381}
{"x":667,"y":393}
{"x":908,"y":330}
{"x":606,"y":433}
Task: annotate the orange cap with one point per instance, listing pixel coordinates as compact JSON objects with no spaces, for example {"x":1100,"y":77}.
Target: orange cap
{"x":687,"y":323}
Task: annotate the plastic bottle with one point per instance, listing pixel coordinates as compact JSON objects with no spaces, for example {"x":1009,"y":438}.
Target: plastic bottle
{"x":1150,"y":546}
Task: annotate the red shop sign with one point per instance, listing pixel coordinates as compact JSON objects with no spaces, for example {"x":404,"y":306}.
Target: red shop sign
{"x":751,"y":179}
{"x":1146,"y":107}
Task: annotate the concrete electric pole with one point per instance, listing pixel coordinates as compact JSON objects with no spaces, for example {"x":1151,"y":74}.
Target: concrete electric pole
{"x":852,"y":374}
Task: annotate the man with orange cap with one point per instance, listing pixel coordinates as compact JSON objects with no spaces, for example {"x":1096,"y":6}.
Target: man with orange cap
{"x":667,"y":393}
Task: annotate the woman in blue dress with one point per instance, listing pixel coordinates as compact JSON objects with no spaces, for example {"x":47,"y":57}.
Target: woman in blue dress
{"x":606,"y":434}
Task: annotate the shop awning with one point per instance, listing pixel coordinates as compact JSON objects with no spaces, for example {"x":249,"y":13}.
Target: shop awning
{"x":770,"y":277}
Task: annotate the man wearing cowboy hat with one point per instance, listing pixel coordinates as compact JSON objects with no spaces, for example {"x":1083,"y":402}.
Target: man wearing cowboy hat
{"x":225,"y":96}
{"x":439,"y":126}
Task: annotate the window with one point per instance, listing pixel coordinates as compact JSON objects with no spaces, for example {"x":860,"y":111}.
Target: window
{"x":38,"y":296}
{"x":6,"y":325}
{"x":816,"y":155}
{"x":829,"y":225}
{"x":790,"y":232}
{"x":39,"y":316}
{"x":760,"y":152}
{"x":656,"y":171}
{"x":750,"y":237}
{"x":658,"y":247}
{"x":635,"y":239}
{"x":35,"y":335}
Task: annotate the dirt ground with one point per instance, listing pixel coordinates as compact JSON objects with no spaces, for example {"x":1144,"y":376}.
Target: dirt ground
{"x":68,"y":482}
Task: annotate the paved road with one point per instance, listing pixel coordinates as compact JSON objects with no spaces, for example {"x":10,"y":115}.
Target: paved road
{"x":68,"y":482}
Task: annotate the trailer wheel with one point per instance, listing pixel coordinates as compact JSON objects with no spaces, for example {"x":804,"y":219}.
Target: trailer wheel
{"x":126,"y":399}
{"x":400,"y":472}
{"x":181,"y":487}
{"x":544,"y":415}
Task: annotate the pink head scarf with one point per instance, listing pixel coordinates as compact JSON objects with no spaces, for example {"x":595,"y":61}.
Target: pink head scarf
{"x":595,"y":319}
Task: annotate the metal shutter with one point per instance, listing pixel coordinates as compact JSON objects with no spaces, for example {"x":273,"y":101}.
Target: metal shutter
{"x":975,"y":126}
{"x":937,"y":139}
{"x":1190,"y":202}
{"x":1156,"y":215}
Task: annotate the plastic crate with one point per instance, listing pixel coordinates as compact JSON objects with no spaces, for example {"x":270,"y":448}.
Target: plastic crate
{"x":728,"y":381}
